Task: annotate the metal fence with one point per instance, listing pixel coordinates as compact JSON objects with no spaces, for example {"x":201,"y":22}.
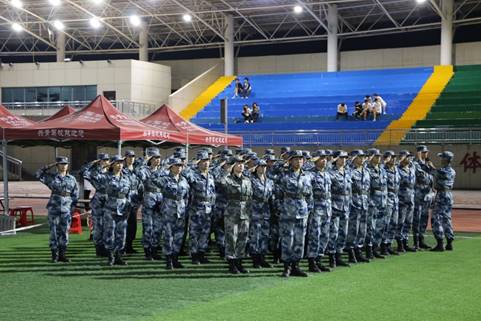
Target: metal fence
{"x":14,"y":167}
{"x":360,"y":137}
{"x":132,"y":108}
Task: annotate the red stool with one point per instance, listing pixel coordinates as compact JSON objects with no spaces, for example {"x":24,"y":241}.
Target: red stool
{"x":22,"y":212}
{"x":76,"y":226}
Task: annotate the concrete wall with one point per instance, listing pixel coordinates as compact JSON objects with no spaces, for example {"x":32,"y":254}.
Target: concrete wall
{"x":150,"y":83}
{"x":465,"y":54}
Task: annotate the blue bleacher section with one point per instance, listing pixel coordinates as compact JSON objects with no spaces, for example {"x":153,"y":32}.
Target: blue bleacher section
{"x":308,"y":101}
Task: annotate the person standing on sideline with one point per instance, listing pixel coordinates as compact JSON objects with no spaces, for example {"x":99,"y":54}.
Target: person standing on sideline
{"x":136,"y":196}
{"x":60,"y":206}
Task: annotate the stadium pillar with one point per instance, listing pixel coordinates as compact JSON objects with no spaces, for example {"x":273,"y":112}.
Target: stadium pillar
{"x":144,"y":44}
{"x":332,"y":44}
{"x":229,"y":46}
{"x":447,"y":8}
{"x":60,"y":46}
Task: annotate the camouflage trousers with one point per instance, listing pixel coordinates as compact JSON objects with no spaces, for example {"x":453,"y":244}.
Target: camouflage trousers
{"x":293,"y":234}
{"x":274,"y":236}
{"x":338,"y":231}
{"x":356,"y":232}
{"x":317,"y":234}
{"x":151,"y":228}
{"x":441,"y":218}
{"x":390,"y":232}
{"x":236,"y":237}
{"x":115,"y":231}
{"x":98,"y":209}
{"x":420,"y":217}
{"x":217,"y":225}
{"x":364,"y":218}
{"x":405,"y":221}
{"x":381,"y":222}
{"x":173,"y":229}
{"x":132,"y":223}
{"x":259,"y":229}
{"x":199,"y":230}
{"x":59,"y":224}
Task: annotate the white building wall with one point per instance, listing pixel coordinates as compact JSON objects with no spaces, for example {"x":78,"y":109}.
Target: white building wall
{"x":150,"y":82}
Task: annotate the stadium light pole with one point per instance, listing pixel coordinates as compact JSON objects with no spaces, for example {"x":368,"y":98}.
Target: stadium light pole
{"x":332,"y":43}
{"x":229,"y":46}
{"x":447,"y":7}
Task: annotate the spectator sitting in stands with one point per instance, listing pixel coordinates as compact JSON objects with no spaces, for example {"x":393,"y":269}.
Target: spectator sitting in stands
{"x":256,"y":113}
{"x":238,"y":88}
{"x":342,"y":111}
{"x":246,"y":113}
{"x":246,"y":88}
{"x":366,"y":108}
{"x":376,"y":109}
{"x":358,"y":111}
{"x":382,"y":101}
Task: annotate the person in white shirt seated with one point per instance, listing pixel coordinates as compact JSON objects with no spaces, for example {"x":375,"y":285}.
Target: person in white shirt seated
{"x":376,"y":109}
{"x":342,"y":111}
{"x":366,"y":107}
{"x":383,"y":103}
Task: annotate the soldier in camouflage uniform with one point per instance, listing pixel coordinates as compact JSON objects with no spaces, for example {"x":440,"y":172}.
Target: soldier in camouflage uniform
{"x":341,"y":199}
{"x":150,"y":174}
{"x":238,"y":190}
{"x":175,"y":192}
{"x":273,"y":174}
{"x":117,"y":187}
{"x":392,"y":210}
{"x":360,"y":185}
{"x":406,"y":200}
{"x":423,"y":196}
{"x":202,"y":200}
{"x":296,"y":188}
{"x":136,"y":196}
{"x":376,"y":222}
{"x":63,"y":200}
{"x":91,"y":172}
{"x":262,"y":199}
{"x":443,"y":203}
{"x":320,"y":214}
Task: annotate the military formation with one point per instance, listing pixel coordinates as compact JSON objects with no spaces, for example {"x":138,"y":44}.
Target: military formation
{"x":350,"y":207}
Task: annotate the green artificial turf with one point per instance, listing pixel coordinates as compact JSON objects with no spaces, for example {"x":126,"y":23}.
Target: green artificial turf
{"x":415,"y":286}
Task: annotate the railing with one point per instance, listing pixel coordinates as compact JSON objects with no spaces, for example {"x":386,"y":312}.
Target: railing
{"x":133,"y":108}
{"x":360,"y":137}
{"x":14,"y":167}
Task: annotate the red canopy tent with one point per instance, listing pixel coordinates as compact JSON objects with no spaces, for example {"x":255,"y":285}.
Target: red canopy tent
{"x":9,"y":120}
{"x":166,"y":119}
{"x":66,"y":110}
{"x":99,"y":121}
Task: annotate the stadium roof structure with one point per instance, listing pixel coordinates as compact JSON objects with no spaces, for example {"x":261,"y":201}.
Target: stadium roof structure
{"x":174,"y":25}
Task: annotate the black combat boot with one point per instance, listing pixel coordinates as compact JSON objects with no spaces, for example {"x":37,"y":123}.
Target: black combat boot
{"x":313,"y":266}
{"x":422,"y":244}
{"x":360,"y":256}
{"x":296,"y":270}
{"x":276,"y":257}
{"x":352,"y":256}
{"x":439,"y":247}
{"x":148,"y":254}
{"x":175,"y":262}
{"x":287,"y":270}
{"x":384,"y":250}
{"x":332,"y":260}
{"x":202,"y":258}
{"x":376,"y":254}
{"x":449,"y":245}
{"x":321,"y":266}
{"x":400,"y":246}
{"x":221,"y":252}
{"x":263,"y":262}
{"x":407,"y":247}
{"x":111,"y":258}
{"x":61,"y":255}
{"x":241,"y":268}
{"x":155,"y":254}
{"x":54,"y":256}
{"x":340,"y":261}
{"x":118,"y":259}
{"x":195,"y":258}
{"x":232,"y":267}
{"x":256,"y":264}
{"x":369,"y":253}
{"x":168,"y":262}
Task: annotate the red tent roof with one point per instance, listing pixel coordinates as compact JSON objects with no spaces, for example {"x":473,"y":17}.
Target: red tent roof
{"x":66,"y":110}
{"x":100,"y":120}
{"x":9,"y":120}
{"x":167,"y":119}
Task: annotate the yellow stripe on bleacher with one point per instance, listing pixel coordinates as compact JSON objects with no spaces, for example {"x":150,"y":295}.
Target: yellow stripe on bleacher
{"x":419,"y":108}
{"x":206,"y":97}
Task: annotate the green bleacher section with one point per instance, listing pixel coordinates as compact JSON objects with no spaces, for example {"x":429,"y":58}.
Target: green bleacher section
{"x":460,"y":103}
